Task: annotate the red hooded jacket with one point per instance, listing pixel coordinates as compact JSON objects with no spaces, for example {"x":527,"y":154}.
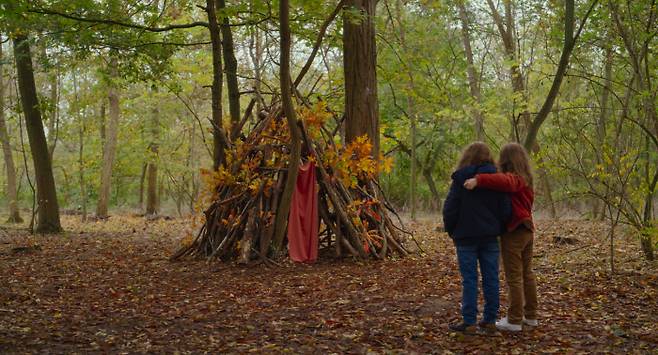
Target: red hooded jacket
{"x":521,"y":194}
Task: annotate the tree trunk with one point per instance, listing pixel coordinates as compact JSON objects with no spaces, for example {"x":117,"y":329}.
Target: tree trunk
{"x":81,"y":141}
{"x":102,"y":123}
{"x":599,"y":209}
{"x":413,"y":181}
{"x":411,"y":111}
{"x":219,"y":136}
{"x":12,"y":191}
{"x":426,"y":167}
{"x":283,"y":210}
{"x":53,"y":124}
{"x":605,"y":94}
{"x":110,"y":146}
{"x":256,"y":53}
{"x":545,"y":182}
{"x":646,"y":241}
{"x":569,"y":43}
{"x":638,"y":50}
{"x":359,"y":63}
{"x":142,"y":179}
{"x":192,"y":167}
{"x":506,"y":28}
{"x":48,"y":208}
{"x":231,"y":65}
{"x":152,"y":171}
{"x":81,"y":171}
{"x":436,"y":198}
{"x":473,"y":83}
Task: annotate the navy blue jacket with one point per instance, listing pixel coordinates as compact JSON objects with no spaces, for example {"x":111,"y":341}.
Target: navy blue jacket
{"x":475,"y":216}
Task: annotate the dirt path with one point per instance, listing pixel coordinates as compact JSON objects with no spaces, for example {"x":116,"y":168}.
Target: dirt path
{"x":107,"y":287}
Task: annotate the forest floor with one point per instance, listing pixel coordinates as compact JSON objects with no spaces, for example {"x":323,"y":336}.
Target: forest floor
{"x":109,"y":287}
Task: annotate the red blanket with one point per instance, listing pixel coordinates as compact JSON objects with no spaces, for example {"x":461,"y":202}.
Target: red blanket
{"x":303,"y":220}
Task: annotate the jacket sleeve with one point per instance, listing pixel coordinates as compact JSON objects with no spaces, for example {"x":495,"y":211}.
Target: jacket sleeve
{"x":451,"y":208}
{"x":504,"y":182}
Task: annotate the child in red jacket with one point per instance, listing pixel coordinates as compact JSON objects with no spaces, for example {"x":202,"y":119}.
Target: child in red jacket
{"x":516,"y":244}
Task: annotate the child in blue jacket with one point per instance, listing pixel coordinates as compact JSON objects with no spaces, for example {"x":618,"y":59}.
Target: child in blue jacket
{"x":474,"y":220}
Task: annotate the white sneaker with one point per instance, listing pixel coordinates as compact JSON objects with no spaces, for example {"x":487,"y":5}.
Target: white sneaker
{"x":503,"y":324}
{"x":530,"y":322}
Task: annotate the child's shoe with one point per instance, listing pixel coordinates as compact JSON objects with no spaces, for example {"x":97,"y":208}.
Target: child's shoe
{"x":463,"y":328}
{"x":530,"y":322}
{"x":504,"y":324}
{"x":488,"y":329}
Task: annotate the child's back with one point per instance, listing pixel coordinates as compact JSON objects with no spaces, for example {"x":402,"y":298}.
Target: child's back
{"x":476,"y":216}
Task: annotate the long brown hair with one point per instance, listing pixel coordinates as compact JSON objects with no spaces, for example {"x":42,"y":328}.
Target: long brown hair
{"x":476,"y":153}
{"x":514,"y":159}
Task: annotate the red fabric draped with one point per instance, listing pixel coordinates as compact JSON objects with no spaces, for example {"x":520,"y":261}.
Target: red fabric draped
{"x":303,"y":220}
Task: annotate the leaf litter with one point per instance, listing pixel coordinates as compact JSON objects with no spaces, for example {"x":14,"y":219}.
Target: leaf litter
{"x":107,"y":286}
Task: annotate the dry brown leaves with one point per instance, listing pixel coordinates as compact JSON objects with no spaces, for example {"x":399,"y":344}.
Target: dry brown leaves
{"x":108,"y":287}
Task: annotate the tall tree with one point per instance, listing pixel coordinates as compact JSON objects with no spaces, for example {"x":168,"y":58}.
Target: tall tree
{"x":231,"y":64}
{"x":12,"y":193}
{"x":525,"y":129}
{"x":507,"y":29}
{"x":411,"y":107}
{"x":220,"y":140}
{"x":359,"y":64}
{"x":283,"y":210}
{"x":639,"y":50}
{"x":152,"y":170}
{"x":48,"y":208}
{"x":81,"y":146}
{"x":473,"y":81}
{"x":568,"y":45}
{"x":110,"y":144}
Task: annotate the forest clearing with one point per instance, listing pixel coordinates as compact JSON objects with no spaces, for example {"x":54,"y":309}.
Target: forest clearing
{"x":335,"y":176}
{"x":108,"y":287}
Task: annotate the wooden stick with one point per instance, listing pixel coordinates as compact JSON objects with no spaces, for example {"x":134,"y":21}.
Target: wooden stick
{"x":333,"y":196}
{"x":248,"y":236}
{"x":324,"y":214}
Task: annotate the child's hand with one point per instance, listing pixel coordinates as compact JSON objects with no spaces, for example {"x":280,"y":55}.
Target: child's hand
{"x":471,"y":183}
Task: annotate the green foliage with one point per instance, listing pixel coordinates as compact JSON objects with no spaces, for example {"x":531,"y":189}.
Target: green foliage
{"x":421,"y":75}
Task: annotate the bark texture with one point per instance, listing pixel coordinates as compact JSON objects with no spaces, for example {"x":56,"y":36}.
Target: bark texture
{"x":359,"y":62}
{"x":219,"y":137}
{"x":506,"y":28}
{"x":473,"y":82}
{"x":12,"y":193}
{"x":152,"y":170}
{"x":110,"y":146}
{"x":281,"y":221}
{"x":48,"y":208}
{"x":231,"y":69}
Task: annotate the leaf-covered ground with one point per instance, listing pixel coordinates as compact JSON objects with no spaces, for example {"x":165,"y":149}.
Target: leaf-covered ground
{"x":108,"y":287}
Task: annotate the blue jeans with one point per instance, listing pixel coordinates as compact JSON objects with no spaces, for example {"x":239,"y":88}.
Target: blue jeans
{"x":468,"y":256}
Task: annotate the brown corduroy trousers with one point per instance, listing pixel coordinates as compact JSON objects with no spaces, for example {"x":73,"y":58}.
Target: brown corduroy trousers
{"x":516,"y":252}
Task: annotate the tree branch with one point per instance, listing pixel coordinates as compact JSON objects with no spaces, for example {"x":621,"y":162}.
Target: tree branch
{"x":569,"y":44}
{"x":318,"y":42}
{"x":118,"y":23}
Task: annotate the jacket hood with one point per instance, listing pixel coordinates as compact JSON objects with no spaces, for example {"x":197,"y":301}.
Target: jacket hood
{"x":470,"y":171}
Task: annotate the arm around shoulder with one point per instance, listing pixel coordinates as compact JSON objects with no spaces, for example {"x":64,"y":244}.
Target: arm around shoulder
{"x":504,"y":182}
